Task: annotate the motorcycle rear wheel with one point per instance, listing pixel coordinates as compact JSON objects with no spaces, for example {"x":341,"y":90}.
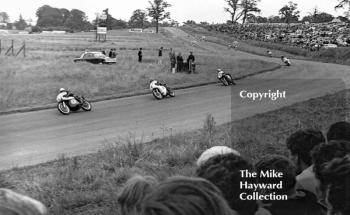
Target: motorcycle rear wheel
{"x":171,"y":93}
{"x":63,"y":109}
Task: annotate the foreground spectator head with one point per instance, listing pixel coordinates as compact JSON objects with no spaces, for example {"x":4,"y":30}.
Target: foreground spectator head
{"x":300,"y":145}
{"x":133,"y":193}
{"x":281,"y":164}
{"x":339,"y":131}
{"x":327,"y":152}
{"x":213,"y":151}
{"x":12,"y":203}
{"x":224,"y":171}
{"x":185,"y":196}
{"x":336,"y":175}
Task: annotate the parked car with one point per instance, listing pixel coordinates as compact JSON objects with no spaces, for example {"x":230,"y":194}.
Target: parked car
{"x":95,"y":58}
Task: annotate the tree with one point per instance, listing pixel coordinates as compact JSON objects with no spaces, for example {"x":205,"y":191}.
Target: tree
{"x":274,"y":19}
{"x":289,"y":13}
{"x":157,"y":11}
{"x":343,"y":4}
{"x":249,"y":7}
{"x":20,"y":24}
{"x":138,"y":19}
{"x":76,"y":21}
{"x":49,"y":17}
{"x":4,"y":17}
{"x":233,"y":9}
{"x":313,"y":15}
{"x":189,"y":22}
{"x":324,"y":17}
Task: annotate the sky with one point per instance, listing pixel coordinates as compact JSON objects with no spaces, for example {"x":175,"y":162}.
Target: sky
{"x":181,"y":10}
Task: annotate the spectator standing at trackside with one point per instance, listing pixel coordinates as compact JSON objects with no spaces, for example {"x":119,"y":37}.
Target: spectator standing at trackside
{"x":180,"y":62}
{"x":160,"y":55}
{"x":139,"y":54}
{"x":190,"y":61}
{"x":173,"y":62}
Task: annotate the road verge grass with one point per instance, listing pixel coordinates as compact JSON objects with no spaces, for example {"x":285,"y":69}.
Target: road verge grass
{"x":89,"y":184}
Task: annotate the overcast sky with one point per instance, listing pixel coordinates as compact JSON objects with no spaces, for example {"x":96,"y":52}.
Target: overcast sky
{"x":181,"y":10}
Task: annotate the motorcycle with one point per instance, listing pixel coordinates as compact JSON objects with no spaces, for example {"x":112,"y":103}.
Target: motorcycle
{"x":226,"y":79}
{"x":74,"y":104}
{"x":161,"y":91}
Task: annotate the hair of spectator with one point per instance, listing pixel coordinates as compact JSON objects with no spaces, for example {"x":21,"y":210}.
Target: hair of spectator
{"x":339,"y":131}
{"x":15,"y":203}
{"x":336,"y":175}
{"x":224,"y":171}
{"x":302,"y":142}
{"x":280,"y":164}
{"x":133,"y":193}
{"x":185,"y":196}
{"x":326,"y":152}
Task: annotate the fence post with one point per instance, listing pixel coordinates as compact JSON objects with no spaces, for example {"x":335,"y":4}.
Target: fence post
{"x":12,"y":47}
{"x":0,"y":46}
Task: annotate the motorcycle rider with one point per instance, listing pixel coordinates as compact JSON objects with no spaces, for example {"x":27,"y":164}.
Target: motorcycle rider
{"x":221,"y":74}
{"x":154,"y":83}
{"x":285,"y":60}
{"x":66,"y":95}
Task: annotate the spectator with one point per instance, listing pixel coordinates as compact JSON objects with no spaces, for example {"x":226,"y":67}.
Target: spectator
{"x":180,"y":62}
{"x":323,"y":154}
{"x":300,"y":145}
{"x":213,"y":151}
{"x":12,"y":203}
{"x":269,"y":53}
{"x":103,"y":51}
{"x":224,"y":171}
{"x":336,"y":179}
{"x":339,"y":131}
{"x":185,"y":196}
{"x":133,"y":193}
{"x":160,"y":55}
{"x":173,"y":62}
{"x":191,"y":62}
{"x":299,"y":201}
{"x":139,"y":54}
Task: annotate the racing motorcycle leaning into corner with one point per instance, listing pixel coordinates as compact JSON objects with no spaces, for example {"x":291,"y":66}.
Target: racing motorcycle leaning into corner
{"x":286,"y":61}
{"x":160,"y":90}
{"x":225,"y":78}
{"x":67,"y":102}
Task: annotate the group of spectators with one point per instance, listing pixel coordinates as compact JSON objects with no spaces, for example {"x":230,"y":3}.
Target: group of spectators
{"x":315,"y":178}
{"x":177,"y":63}
{"x":312,"y":36}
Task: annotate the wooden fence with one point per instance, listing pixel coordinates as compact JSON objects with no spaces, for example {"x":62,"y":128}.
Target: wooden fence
{"x":10,"y":51}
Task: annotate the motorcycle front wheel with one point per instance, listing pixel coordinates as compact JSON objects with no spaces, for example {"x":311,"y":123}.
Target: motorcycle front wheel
{"x":171,"y":93}
{"x":86,"y":106}
{"x":64,"y":109}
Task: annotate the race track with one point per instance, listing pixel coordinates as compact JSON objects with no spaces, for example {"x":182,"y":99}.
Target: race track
{"x":35,"y":137}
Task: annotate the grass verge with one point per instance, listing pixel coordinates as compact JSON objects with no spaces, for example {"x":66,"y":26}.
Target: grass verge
{"x":89,"y":184}
{"x":34,"y":81}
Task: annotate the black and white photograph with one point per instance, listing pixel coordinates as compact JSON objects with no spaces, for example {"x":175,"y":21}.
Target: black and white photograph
{"x":175,"y":107}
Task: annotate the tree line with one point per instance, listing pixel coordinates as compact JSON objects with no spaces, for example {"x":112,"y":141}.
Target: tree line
{"x":51,"y":18}
{"x":246,"y":10}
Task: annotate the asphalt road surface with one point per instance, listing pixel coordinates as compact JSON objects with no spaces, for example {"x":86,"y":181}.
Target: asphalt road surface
{"x":35,"y":137}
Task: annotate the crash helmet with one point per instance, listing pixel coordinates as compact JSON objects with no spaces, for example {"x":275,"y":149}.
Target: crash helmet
{"x":282,"y":57}
{"x":219,"y":70}
{"x":62,"y":90}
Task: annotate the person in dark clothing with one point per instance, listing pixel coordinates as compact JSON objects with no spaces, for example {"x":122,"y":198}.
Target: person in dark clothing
{"x":298,"y":201}
{"x":180,"y":62}
{"x":191,"y":62}
{"x":139,"y":54}
{"x":160,"y":55}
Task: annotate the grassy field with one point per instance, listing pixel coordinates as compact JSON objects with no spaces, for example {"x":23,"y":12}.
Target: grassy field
{"x":339,"y":55}
{"x":89,"y":184}
{"x":34,"y":80}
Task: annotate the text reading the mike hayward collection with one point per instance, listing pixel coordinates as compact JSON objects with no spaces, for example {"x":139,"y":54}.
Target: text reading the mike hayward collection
{"x":272,"y":95}
{"x":262,"y":191}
